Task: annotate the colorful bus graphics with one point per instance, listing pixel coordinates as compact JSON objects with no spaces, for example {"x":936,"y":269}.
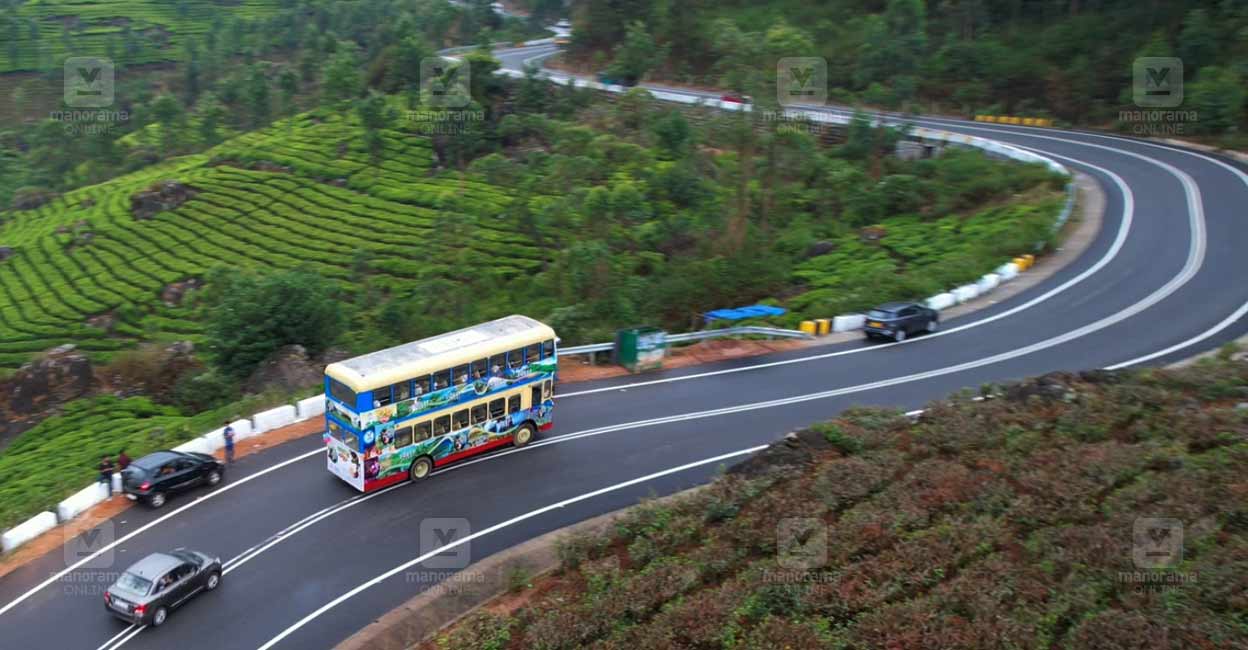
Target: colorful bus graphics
{"x":408,"y":409}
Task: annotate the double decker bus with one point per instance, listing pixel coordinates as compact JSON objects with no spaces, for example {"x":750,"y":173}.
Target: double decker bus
{"x":398,"y":413}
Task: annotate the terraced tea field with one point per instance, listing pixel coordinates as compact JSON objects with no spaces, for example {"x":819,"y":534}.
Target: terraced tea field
{"x":305,"y":193}
{"x":44,"y":33}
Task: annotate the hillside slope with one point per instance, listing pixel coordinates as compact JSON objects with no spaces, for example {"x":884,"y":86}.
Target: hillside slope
{"x":1022,"y":522}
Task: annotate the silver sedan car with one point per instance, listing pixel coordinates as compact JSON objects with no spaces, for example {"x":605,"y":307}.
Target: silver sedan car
{"x":159,"y":583}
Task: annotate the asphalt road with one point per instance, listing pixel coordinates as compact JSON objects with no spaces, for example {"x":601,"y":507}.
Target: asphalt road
{"x":310,"y":561}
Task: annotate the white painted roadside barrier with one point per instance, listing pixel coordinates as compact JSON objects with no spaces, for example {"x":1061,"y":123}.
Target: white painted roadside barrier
{"x":117,"y":482}
{"x":848,"y":322}
{"x":306,"y":409}
{"x":214,"y":439}
{"x":988,"y":283}
{"x":941,"y":301}
{"x":27,"y":530}
{"x":194,"y":446}
{"x":272,"y":419}
{"x":81,"y":500}
{"x":242,"y":429}
{"x":1007,"y":271}
{"x":966,"y":292}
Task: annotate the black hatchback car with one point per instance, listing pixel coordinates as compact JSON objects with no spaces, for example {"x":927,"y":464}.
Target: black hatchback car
{"x":154,"y":477}
{"x":159,"y":583}
{"x":897,"y":320}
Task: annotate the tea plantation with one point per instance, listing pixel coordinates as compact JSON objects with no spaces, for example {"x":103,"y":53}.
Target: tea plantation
{"x":323,"y":205}
{"x":39,"y":35}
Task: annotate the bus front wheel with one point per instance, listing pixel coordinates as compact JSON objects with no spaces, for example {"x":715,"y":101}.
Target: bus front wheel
{"x":524,"y":435}
{"x":421,"y":467}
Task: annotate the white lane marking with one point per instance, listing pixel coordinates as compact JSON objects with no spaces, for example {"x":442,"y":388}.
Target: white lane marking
{"x":251,"y":553}
{"x":123,"y":641}
{"x":215,"y":493}
{"x":1225,"y":323}
{"x":115,"y":637}
{"x":1124,"y":227}
{"x":496,"y":527}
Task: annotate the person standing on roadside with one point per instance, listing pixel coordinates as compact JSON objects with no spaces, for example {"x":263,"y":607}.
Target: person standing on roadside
{"x":228,"y":434}
{"x":106,"y":473}
{"x":123,"y":461}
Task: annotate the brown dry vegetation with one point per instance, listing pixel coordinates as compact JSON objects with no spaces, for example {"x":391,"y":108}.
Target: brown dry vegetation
{"x":1006,"y":523}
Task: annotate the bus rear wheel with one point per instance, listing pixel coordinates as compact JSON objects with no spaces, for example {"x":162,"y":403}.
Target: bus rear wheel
{"x":524,"y":435}
{"x":421,"y":467}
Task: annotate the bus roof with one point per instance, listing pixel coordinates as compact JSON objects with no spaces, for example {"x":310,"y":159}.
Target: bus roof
{"x":426,"y":356}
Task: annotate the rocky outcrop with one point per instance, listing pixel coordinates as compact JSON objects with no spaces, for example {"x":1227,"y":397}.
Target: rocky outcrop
{"x":173,"y":293}
{"x":287,"y":369}
{"x":160,"y":197}
{"x":793,"y":451}
{"x":40,"y":387}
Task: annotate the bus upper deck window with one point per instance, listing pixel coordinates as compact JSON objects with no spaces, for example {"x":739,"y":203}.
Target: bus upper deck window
{"x":381,"y":396}
{"x":422,"y":385}
{"x":548,"y":348}
{"x":441,"y":379}
{"x":533,"y":353}
{"x":480,"y":369}
{"x":402,"y":391}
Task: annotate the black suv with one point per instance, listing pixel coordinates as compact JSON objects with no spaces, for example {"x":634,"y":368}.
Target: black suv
{"x":897,"y":320}
{"x":154,"y":477}
{"x":151,"y":587}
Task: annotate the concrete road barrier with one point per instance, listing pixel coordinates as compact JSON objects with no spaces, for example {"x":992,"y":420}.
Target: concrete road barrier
{"x":195,"y":445}
{"x":243,"y":429}
{"x":966,"y":292}
{"x":988,"y":283}
{"x":214,"y":439}
{"x":27,"y":530}
{"x":1007,"y":271}
{"x":272,"y":419}
{"x":81,"y":500}
{"x":941,"y":301}
{"x":311,"y":407}
{"x":848,"y":322}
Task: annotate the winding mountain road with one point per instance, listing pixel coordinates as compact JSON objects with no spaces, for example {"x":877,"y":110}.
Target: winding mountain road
{"x":310,"y":562}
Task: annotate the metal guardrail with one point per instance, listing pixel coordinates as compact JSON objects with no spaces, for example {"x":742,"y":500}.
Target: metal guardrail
{"x":700,"y":335}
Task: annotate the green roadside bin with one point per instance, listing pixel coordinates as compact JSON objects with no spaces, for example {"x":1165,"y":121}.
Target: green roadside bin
{"x":640,"y":348}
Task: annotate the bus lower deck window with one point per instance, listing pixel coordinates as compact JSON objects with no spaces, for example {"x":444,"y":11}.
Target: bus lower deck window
{"x":498,"y":408}
{"x":403,"y":437}
{"x":513,"y":403}
{"x":461,"y":418}
{"x":478,"y":414}
{"x":423,"y":431}
{"x":442,"y":425}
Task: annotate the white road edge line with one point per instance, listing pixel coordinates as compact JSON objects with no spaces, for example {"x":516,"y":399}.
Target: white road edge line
{"x":124,"y":640}
{"x":499,"y":526}
{"x":215,"y":493}
{"x":115,"y":637}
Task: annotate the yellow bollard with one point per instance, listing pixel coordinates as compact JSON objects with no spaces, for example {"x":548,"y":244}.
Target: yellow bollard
{"x":1029,"y":121}
{"x":990,"y":118}
{"x":1031,"y":260}
{"x":808,"y":326}
{"x":823,"y":326}
{"x":1021,"y":263}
